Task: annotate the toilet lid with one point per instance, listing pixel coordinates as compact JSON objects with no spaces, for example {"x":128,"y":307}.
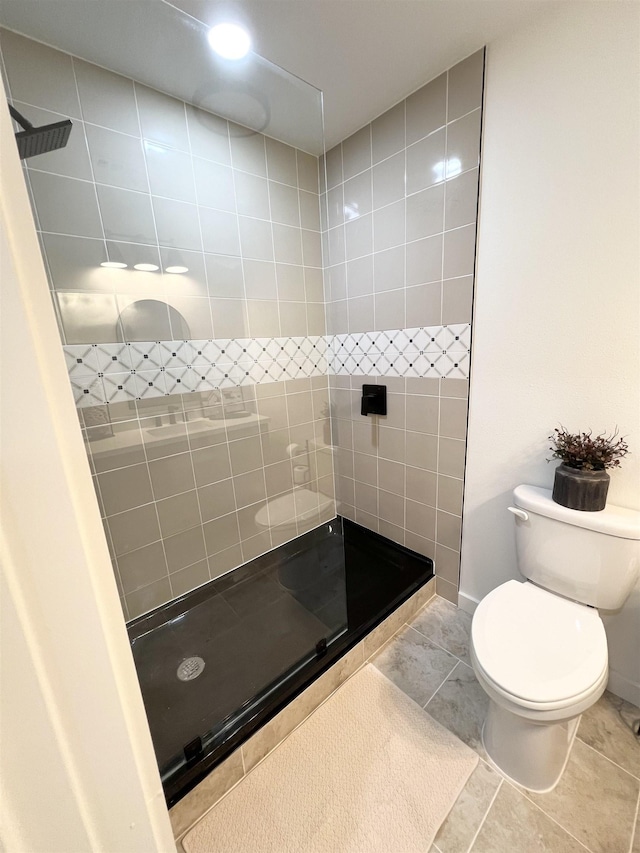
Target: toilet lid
{"x":538,"y":646}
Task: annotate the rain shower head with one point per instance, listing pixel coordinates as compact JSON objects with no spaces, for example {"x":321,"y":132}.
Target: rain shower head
{"x":39,"y":140}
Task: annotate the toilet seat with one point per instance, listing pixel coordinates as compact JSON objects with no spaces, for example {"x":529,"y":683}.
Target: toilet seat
{"x":538,"y":650}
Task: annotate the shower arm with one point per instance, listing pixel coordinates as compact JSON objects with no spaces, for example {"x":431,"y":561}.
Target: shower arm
{"x":24,"y":123}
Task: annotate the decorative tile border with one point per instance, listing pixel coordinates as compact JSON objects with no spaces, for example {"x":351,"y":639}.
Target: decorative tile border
{"x":119,"y":372}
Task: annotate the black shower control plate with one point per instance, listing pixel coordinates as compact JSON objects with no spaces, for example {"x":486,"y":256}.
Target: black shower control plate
{"x":374,"y":400}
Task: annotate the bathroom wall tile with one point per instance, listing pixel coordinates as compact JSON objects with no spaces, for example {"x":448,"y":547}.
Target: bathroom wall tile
{"x":107,"y":99}
{"x":281,"y":162}
{"x":170,"y":172}
{"x":447,"y":565}
{"x":420,"y":485}
{"x":420,"y":544}
{"x":222,"y":534}
{"x":162,"y":118}
{"x":422,"y":450}
{"x":149,"y":597}
{"x":74,"y":263}
{"x":392,"y":444}
{"x":426,"y":109}
{"x":216,"y":499}
{"x":414,"y":664}
{"x":77,"y":216}
{"x":190,"y":578}
{"x":142,"y":567}
{"x":388,"y":180}
{"x":284,"y":203}
{"x":424,"y":304}
{"x":389,"y":226}
{"x":356,"y":199}
{"x":389,"y":270}
{"x":126,"y":215}
{"x":463,"y":144}
{"x":263,"y":317}
{"x":125,"y":488}
{"x":595,"y":800}
{"x":184,"y":548}
{"x":449,"y":530}
{"x":389,"y":310}
{"x":450,"y":495}
{"x":451,"y":457}
{"x":512,"y":823}
{"x":360,"y":277}
{"x":356,"y":152}
{"x":247,"y":150}
{"x":391,"y":509}
{"x":39,"y":75}
{"x":391,"y":476}
{"x":335,"y":206}
{"x":457,"y":300}
{"x":308,"y":172}
{"x":465,"y":85}
{"x":424,"y":260}
{"x":246,"y":455}
{"x":287,"y":244}
{"x":178,"y":513}
{"x":211,"y":464}
{"x":134,"y":529}
{"x":256,"y":239}
{"x":144,"y":321}
{"x":171,"y":475}
{"x":311,"y":248}
{"x":426,"y":159}
{"x":214,"y":184}
{"x":462,"y":199}
{"x":219,"y":232}
{"x":178,"y":224}
{"x":388,"y":133}
{"x":309,"y":210}
{"x":453,"y":418}
{"x":425,"y":212}
{"x":459,"y":251}
{"x":290,"y":283}
{"x":447,"y":590}
{"x":249,"y":488}
{"x":293,"y":318}
{"x":454,"y":388}
{"x":420,"y":519}
{"x":252,"y":195}
{"x":422,"y":414}
{"x":117,"y":159}
{"x":208,"y":136}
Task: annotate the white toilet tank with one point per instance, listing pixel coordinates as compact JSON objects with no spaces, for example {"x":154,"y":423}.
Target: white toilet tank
{"x":590,"y":557}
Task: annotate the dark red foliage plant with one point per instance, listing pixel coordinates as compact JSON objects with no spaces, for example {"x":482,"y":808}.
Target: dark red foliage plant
{"x":587,"y":451}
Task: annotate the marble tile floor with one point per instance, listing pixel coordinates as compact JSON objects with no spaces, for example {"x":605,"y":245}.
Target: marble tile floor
{"x":595,"y":805}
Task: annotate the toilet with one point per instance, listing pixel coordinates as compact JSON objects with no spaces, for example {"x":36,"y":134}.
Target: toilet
{"x":538,"y":647}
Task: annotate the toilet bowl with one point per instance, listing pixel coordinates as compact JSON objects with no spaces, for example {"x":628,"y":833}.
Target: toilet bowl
{"x":538,"y":647}
{"x":542,"y":660}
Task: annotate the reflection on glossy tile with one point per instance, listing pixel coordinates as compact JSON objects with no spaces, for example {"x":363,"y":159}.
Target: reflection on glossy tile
{"x":513,"y":823}
{"x":595,"y":801}
{"x":117,"y":159}
{"x":65,"y":205}
{"x":606,"y":726}
{"x":457,"y":832}
{"x":415,"y":665}
{"x":460,"y":705}
{"x":447,"y":626}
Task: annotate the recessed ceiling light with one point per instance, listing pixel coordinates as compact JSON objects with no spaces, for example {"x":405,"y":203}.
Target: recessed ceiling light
{"x":176,"y":269}
{"x":230,"y":41}
{"x":113,"y":265}
{"x":146,"y":267}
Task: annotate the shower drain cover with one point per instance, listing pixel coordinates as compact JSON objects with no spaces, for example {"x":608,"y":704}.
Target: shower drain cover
{"x":190,"y":669}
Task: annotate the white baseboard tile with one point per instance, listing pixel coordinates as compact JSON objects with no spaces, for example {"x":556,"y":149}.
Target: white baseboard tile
{"x":624,"y":687}
{"x":467,"y":603}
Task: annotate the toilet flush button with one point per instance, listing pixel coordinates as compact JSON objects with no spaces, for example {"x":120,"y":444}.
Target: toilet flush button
{"x":519,"y":513}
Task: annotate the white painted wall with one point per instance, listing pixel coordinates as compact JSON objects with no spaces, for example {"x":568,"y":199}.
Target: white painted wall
{"x":77,"y":768}
{"x":557,"y":318}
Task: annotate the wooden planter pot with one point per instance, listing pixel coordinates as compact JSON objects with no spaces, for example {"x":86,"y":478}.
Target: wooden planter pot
{"x":578,"y":489}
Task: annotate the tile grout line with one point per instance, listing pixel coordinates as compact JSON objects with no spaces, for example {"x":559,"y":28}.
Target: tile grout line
{"x":634,"y":827}
{"x":610,"y":760}
{"x":523,"y":793}
{"x":444,"y":680}
{"x":483,"y":821}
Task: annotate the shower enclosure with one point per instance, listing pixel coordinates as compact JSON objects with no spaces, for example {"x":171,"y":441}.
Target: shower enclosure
{"x":187,"y":228}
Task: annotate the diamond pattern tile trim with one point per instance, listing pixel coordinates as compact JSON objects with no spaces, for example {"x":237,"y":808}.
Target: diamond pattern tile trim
{"x":118,"y":372}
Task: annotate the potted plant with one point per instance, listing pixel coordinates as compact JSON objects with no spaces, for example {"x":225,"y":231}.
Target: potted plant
{"x":581,"y":481}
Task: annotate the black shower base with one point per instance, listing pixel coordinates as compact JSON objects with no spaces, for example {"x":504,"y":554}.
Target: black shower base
{"x":363,"y":578}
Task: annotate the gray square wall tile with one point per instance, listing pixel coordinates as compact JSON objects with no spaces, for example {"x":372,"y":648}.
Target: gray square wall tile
{"x":465,"y":85}
{"x":65,"y":205}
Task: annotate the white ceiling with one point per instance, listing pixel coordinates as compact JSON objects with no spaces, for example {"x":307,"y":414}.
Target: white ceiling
{"x":365,"y":55}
